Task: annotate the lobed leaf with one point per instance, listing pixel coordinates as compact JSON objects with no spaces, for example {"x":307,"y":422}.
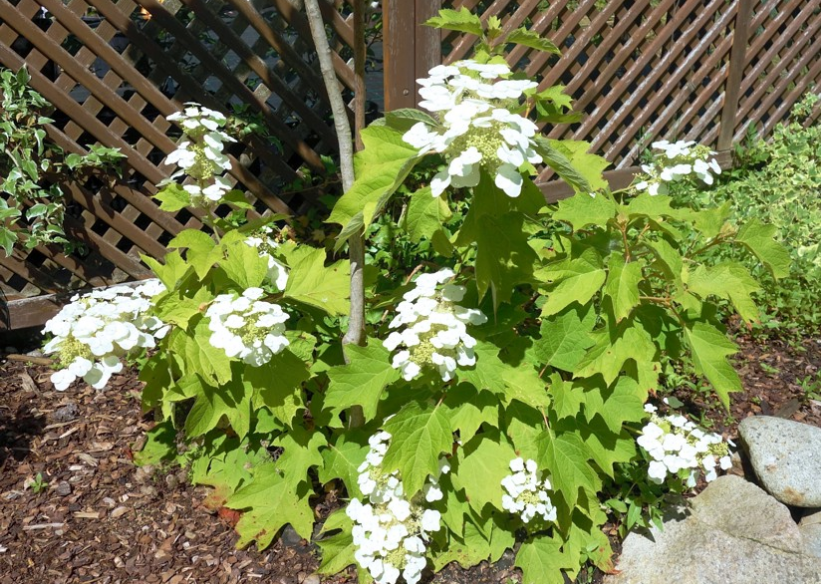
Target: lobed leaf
{"x":362,"y":381}
{"x":420,"y":434}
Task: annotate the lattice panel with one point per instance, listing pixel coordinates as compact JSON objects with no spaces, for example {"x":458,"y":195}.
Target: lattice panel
{"x":114,"y":69}
{"x":642,"y":70}
{"x":783,"y":62}
{"x":639,"y":70}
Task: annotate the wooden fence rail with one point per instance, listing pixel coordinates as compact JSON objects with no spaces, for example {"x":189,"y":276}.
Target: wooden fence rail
{"x":639,"y":70}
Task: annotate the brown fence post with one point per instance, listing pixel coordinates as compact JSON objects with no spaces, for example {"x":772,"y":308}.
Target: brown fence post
{"x":738,"y":58}
{"x":410,"y":49}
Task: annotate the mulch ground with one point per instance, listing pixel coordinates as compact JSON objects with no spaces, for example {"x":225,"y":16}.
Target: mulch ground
{"x":95,"y":517}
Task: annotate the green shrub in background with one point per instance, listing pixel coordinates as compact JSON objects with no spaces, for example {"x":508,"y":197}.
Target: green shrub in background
{"x":31,"y":166}
{"x":779,"y":182}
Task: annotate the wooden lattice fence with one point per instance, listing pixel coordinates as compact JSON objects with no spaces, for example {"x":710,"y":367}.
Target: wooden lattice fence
{"x":640,"y":70}
{"x":115,"y":68}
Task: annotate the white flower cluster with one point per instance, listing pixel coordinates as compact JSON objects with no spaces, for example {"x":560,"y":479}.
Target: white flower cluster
{"x":478,"y":129}
{"x":264,"y":242}
{"x":201,"y":156}
{"x":676,"y":161}
{"x":390,"y":532}
{"x":247,"y":327}
{"x":680,"y":448}
{"x":526,"y":494}
{"x":435,"y":332}
{"x":94,"y":331}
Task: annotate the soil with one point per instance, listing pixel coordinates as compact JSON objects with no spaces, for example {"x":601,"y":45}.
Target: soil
{"x":95,"y":517}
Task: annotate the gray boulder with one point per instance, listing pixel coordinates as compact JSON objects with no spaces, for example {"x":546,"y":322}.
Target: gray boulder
{"x":786,"y":457}
{"x":735,"y":534}
{"x":810,"y":528}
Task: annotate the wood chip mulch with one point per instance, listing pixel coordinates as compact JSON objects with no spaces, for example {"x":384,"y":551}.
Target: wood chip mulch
{"x":96,"y":517}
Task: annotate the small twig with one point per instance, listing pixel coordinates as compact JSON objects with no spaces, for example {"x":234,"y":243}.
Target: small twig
{"x":27,"y":359}
{"x":43,"y":526}
{"x":60,"y":425}
{"x":626,"y":246}
{"x":413,"y":273}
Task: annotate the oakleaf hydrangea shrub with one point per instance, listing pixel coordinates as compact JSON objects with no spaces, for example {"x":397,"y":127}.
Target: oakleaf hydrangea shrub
{"x":678,"y":448}
{"x":478,"y":130}
{"x":778,"y":183}
{"x":96,"y":331}
{"x":202,"y":164}
{"x":200,"y":156}
{"x":676,"y":161}
{"x":263,"y":240}
{"x":390,"y":532}
{"x":246,"y":327}
{"x":434,"y":332}
{"x":526,"y":494}
{"x":500,"y":388}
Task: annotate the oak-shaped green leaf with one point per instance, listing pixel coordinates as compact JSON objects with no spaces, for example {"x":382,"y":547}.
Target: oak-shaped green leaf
{"x":728,"y":280}
{"x":425,"y":215}
{"x":567,"y":398}
{"x":503,"y":257}
{"x":342,"y":459}
{"x":309,"y":281}
{"x":708,"y":221}
{"x":759,"y":239}
{"x":520,"y":382}
{"x":621,"y":402}
{"x":301,"y":451}
{"x":605,"y":447}
{"x":585,"y":210}
{"x":195,"y":354}
{"x":462,"y":20}
{"x":362,"y":381}
{"x":160,"y":445}
{"x":566,"y":457}
{"x":532,"y":39}
{"x":668,"y":258}
{"x":573,"y":163}
{"x":380,"y":168}
{"x":710,"y":348}
{"x":541,"y":560}
{"x":403,"y":119}
{"x":467,"y":551}
{"x":171,"y":271}
{"x":337,"y":549}
{"x":613,"y":349}
{"x":270,"y":502}
{"x":174,"y":307}
{"x":565,"y":337}
{"x":231,"y":400}
{"x":243,"y":264}
{"x":278,"y":385}
{"x":420,"y":433}
{"x":483,"y":462}
{"x":227,"y":467}
{"x":524,"y":425}
{"x":173,"y":198}
{"x":468,"y":409}
{"x":202,"y":252}
{"x":622,"y":285}
{"x":650,"y":206}
{"x":572,"y":280}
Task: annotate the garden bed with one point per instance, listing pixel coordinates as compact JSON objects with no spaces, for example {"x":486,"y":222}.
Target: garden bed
{"x":97,"y":517}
